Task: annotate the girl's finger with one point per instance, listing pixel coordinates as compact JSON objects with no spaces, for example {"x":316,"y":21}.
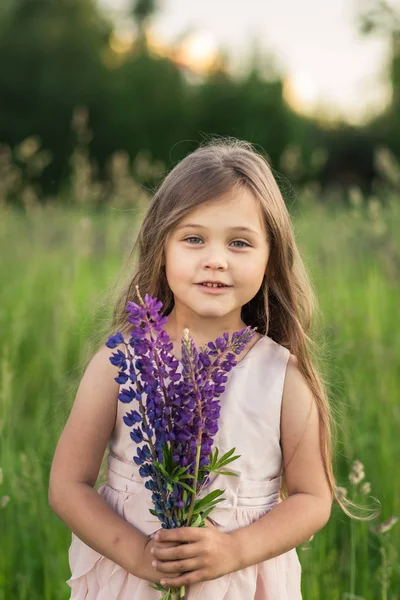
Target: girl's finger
{"x":176,"y":567}
{"x":165,"y":544}
{"x":179,"y":534}
{"x":175,"y":551}
{"x":184,"y":579}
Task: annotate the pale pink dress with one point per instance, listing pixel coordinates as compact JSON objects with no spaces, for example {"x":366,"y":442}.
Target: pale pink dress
{"x":250,"y":422}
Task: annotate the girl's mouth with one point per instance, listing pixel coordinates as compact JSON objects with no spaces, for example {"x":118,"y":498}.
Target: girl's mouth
{"x":213,"y":289}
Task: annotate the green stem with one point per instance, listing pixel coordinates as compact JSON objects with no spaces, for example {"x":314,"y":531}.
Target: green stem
{"x":196,"y":473}
{"x":353,"y":560}
{"x":178,"y":593}
{"x":384,"y":580}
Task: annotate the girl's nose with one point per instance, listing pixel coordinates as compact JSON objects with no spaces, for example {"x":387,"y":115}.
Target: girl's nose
{"x":215,"y":260}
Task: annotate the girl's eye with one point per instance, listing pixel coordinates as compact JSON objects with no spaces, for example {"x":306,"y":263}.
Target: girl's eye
{"x":240,"y":242}
{"x":192,"y":238}
{"x":234,"y":242}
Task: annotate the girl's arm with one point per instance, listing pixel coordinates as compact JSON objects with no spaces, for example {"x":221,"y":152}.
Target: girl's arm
{"x":308,"y":507}
{"x":76,"y":465}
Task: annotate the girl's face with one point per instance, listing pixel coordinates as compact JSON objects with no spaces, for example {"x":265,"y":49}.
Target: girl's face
{"x":211,"y":244}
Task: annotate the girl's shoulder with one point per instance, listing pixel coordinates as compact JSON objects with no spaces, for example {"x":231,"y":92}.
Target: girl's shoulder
{"x":268,"y":361}
{"x":277,"y":349}
{"x":297,"y":398}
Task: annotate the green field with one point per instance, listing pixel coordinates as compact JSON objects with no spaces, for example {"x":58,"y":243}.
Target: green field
{"x":55,"y":267}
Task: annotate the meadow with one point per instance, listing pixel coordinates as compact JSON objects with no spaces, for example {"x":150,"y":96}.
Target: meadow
{"x":58,"y":260}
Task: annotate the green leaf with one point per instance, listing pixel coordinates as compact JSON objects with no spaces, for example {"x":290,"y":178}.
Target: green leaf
{"x":228,"y":460}
{"x":161,"y":468}
{"x":227,"y":454}
{"x":153,"y":512}
{"x":187,"y":487}
{"x":205,"y":513}
{"x":214,"y":456}
{"x":207,"y":506}
{"x":167,"y":458}
{"x":160,"y":588}
{"x":196,"y":522}
{"x":207,"y":499}
{"x":179,"y":470}
{"x":213,"y":459}
{"x":188,"y":476}
{"x":227,"y":473}
{"x":165,"y":453}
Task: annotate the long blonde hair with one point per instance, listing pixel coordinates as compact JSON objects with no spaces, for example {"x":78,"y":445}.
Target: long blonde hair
{"x":285,"y":303}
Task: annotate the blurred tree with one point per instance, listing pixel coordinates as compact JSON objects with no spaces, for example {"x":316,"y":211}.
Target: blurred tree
{"x":51,"y":61}
{"x":152,"y":96}
{"x":265,"y":115}
{"x":251,"y":107}
{"x":379,"y":17}
{"x":151,"y":93}
{"x":59,"y":56}
{"x":143,"y":11}
{"x":350,"y":157}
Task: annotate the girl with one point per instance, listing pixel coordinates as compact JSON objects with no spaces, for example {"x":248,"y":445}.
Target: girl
{"x":217,"y":218}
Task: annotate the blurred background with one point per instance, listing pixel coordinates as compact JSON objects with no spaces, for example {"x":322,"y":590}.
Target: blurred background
{"x":98,"y":101}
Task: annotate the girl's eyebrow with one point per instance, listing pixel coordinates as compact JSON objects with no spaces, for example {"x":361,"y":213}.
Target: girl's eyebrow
{"x":235,"y":228}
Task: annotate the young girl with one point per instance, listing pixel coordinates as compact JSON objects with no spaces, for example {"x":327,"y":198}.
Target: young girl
{"x":217,"y":218}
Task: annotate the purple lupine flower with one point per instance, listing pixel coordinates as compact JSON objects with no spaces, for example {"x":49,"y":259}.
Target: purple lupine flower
{"x":148,"y":354}
{"x":119,"y":360}
{"x":132,"y":418}
{"x":179,"y":412}
{"x":114,"y":340}
{"x":198,"y":410}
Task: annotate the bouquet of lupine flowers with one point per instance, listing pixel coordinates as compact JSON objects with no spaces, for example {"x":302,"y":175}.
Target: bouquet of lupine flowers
{"x":176,"y":414}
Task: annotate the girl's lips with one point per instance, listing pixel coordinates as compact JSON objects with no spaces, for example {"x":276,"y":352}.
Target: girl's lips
{"x":213,"y":290}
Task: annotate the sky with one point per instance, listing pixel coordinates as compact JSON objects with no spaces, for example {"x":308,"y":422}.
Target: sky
{"x":315,"y":43}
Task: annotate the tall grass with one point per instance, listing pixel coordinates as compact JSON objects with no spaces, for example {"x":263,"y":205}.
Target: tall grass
{"x":55,"y":265}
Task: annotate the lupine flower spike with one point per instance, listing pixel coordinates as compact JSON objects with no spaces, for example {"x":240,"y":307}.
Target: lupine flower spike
{"x":174,"y":415}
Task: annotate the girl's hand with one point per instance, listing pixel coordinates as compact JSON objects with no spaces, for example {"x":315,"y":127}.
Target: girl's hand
{"x":200,"y":554}
{"x":146,"y":570}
